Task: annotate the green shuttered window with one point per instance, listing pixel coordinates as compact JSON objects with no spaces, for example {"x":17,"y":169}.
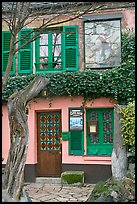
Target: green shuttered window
{"x":57,"y":50}
{"x":76,"y":143}
{"x":6,"y":36}
{"x":25,"y":54}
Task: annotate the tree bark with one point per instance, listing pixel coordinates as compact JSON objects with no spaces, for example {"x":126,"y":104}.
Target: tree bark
{"x":119,"y":153}
{"x":13,"y":180}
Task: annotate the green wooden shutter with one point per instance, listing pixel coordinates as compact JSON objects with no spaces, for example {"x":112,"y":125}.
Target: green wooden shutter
{"x":6,"y":37}
{"x":70,"y":56}
{"x":25,"y":54}
{"x":76,"y":142}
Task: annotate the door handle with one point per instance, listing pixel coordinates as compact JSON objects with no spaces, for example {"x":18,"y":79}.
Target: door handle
{"x":60,"y":140}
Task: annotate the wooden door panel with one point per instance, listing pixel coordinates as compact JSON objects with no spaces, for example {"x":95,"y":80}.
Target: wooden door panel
{"x":49,"y":144}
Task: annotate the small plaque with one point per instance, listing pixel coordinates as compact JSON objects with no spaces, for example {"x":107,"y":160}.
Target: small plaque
{"x":93,"y":128}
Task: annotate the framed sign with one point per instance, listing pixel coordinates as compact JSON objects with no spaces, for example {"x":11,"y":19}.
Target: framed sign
{"x":75,"y":119}
{"x":92,"y":127}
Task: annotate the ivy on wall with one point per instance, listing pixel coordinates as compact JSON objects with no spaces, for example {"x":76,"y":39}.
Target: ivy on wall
{"x":118,"y":83}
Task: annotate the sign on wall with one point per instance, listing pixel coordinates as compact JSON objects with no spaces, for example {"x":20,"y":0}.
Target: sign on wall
{"x":76,"y":119}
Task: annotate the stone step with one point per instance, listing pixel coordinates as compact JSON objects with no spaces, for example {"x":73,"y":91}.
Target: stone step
{"x":48,"y":180}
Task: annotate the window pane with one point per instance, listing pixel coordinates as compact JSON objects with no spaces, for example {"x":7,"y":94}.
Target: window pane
{"x":50,"y":50}
{"x":56,"y":50}
{"x":56,"y":56}
{"x":44,"y":63}
{"x":43,"y":51}
{"x":43,"y":66}
{"x":56,"y":38}
{"x":57,"y":63}
{"x":102,"y":44}
{"x":43,"y":39}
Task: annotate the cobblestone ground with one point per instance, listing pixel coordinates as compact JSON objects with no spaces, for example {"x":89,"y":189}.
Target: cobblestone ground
{"x":58,"y":193}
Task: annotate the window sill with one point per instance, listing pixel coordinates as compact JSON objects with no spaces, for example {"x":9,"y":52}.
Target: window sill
{"x":97,"y":158}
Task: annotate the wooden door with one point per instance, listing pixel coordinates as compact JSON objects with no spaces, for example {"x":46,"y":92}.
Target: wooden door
{"x":49,"y":144}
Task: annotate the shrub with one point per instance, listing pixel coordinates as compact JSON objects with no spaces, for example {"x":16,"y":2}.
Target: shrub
{"x":72,"y":177}
{"x":128,"y":125}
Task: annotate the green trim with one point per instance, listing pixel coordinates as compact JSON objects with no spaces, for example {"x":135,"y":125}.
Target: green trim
{"x":6,"y":36}
{"x":70,"y":46}
{"x":37,"y":54}
{"x":65,"y":135}
{"x":100,"y":148}
{"x":25,"y":54}
{"x":50,"y":51}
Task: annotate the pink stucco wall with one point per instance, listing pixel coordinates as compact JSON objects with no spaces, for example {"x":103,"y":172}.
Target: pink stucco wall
{"x":5,"y":133}
{"x":129,"y":19}
{"x":59,"y":103}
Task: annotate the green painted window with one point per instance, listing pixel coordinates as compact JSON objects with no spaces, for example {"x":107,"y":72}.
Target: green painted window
{"x":99,"y":141}
{"x":57,"y":50}
{"x":6,"y":36}
{"x":25,"y":54}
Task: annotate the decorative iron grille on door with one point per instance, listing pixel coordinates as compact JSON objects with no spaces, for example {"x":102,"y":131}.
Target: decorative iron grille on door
{"x":50,"y":131}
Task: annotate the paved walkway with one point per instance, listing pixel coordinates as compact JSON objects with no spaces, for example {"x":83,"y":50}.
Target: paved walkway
{"x":39,"y":192}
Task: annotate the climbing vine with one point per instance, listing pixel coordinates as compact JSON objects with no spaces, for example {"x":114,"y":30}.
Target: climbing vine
{"x":118,"y":82}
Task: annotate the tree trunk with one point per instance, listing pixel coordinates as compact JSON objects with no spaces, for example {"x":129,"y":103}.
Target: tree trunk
{"x":14,"y":171}
{"x":119,"y":153}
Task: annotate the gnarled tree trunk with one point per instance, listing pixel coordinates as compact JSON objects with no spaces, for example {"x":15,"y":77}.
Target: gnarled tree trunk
{"x":119,"y":153}
{"x":13,"y":180}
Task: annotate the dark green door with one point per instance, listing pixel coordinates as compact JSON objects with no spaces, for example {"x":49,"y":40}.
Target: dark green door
{"x":100,"y":142}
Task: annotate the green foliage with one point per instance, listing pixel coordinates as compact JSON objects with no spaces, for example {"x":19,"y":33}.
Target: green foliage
{"x":15,"y":84}
{"x":72,"y":178}
{"x":118,"y":83}
{"x":128,"y":125}
{"x":100,"y":187}
{"x":105,"y":187}
{"x":103,"y":191}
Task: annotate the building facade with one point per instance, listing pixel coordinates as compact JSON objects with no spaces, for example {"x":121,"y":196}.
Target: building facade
{"x":65,"y":135}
